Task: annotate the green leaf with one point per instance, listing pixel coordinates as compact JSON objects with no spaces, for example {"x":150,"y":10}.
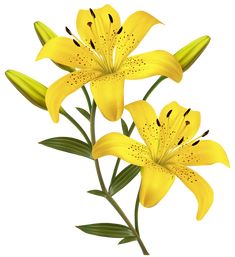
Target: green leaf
{"x":69,"y":145}
{"x":85,"y":113}
{"x":106,"y":230}
{"x":123,"y":178}
{"x":97,"y":192}
{"x":124,"y":127}
{"x":127,"y":240}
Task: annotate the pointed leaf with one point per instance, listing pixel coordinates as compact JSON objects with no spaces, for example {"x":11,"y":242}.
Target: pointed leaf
{"x":127,"y":240}
{"x":69,"y":145}
{"x":123,"y":178}
{"x":85,"y":113}
{"x":124,"y":127}
{"x":106,"y":230}
{"x":97,"y":192}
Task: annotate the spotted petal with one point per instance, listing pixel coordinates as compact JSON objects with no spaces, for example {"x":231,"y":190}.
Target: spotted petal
{"x":123,"y":147}
{"x":152,"y":64}
{"x":64,"y":51}
{"x":155,"y":183}
{"x":65,"y":86}
{"x":133,"y":31}
{"x":195,"y":183}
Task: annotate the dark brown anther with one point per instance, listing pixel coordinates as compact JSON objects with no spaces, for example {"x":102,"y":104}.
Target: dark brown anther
{"x":68,"y":31}
{"x":92,"y":44}
{"x":205,"y":133}
{"x":158,"y":123}
{"x":187,"y":112}
{"x":187,"y":122}
{"x":92,"y":13}
{"x":195,"y":143}
{"x":76,"y":42}
{"x":89,"y":23}
{"x":120,"y":30}
{"x":181,"y":140}
{"x":168,"y":114}
{"x":110,"y":18}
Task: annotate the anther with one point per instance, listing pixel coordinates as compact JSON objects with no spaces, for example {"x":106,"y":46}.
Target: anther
{"x":110,"y":18}
{"x":181,"y":140}
{"x":68,"y":31}
{"x":158,"y":123}
{"x":205,"y":133}
{"x":187,"y":112}
{"x":187,"y":122}
{"x":76,"y":42}
{"x":195,"y":143}
{"x":92,"y":44}
{"x":89,"y":23}
{"x":92,"y":13}
{"x":120,"y":30}
{"x":168,"y":114}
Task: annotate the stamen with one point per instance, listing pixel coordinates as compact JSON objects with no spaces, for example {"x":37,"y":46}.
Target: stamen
{"x":158,"y":123}
{"x":92,"y":44}
{"x":181,"y":140}
{"x":120,"y":30}
{"x":205,"y":133}
{"x":68,"y":31}
{"x":110,"y":18}
{"x":168,"y":114}
{"x":195,"y":143}
{"x":92,"y":13}
{"x":89,"y":23}
{"x":76,"y":42}
{"x":187,"y":122}
{"x":187,"y":112}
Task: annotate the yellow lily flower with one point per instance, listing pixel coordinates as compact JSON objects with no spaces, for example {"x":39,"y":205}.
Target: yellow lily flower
{"x":169,"y":148}
{"x":101,"y":55}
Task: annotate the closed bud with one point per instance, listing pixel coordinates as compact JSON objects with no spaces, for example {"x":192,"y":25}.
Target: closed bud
{"x":189,"y":54}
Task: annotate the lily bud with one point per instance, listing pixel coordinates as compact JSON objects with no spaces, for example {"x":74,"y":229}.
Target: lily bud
{"x":31,"y":89}
{"x":189,"y":54}
{"x":45,"y":34}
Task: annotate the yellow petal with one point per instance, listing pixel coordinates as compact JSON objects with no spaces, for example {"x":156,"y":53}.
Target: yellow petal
{"x":206,"y":152}
{"x":197,"y":185}
{"x":122,"y":147}
{"x":145,"y":120}
{"x":152,"y":64}
{"x":155,"y":183}
{"x":108,"y":92}
{"x":63,"y":50}
{"x":175,"y":125}
{"x":100,"y":29}
{"x":63,"y":87}
{"x":133,"y":31}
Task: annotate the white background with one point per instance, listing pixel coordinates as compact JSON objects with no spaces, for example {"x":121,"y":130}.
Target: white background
{"x":43,"y":191}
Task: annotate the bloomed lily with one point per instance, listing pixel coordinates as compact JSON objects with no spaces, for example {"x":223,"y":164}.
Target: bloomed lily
{"x":100,"y":56}
{"x":170,"y":147}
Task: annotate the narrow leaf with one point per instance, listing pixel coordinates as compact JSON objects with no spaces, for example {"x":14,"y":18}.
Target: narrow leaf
{"x":124,"y":127}
{"x":127,"y":240}
{"x":85,"y":113}
{"x":69,"y":145}
{"x":97,"y":192}
{"x":123,"y":178}
{"x":107,"y":230}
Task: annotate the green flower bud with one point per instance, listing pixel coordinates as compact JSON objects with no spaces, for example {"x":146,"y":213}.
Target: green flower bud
{"x":45,"y":34}
{"x":31,"y":89}
{"x":189,"y":54}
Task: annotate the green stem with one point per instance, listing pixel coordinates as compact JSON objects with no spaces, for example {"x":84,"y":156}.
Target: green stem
{"x":137,"y":203}
{"x":71,"y":119}
{"x":102,"y":185}
{"x":87,"y":98}
{"x":115,"y":170}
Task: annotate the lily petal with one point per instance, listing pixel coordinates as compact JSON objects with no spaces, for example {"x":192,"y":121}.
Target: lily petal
{"x":63,"y":50}
{"x":133,"y":31}
{"x":195,"y":183}
{"x":63,"y":87}
{"x":152,"y":64}
{"x":155,"y":183}
{"x":145,"y":120}
{"x":108,"y":92}
{"x":206,"y":152}
{"x":99,"y":25}
{"x":123,"y":147}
